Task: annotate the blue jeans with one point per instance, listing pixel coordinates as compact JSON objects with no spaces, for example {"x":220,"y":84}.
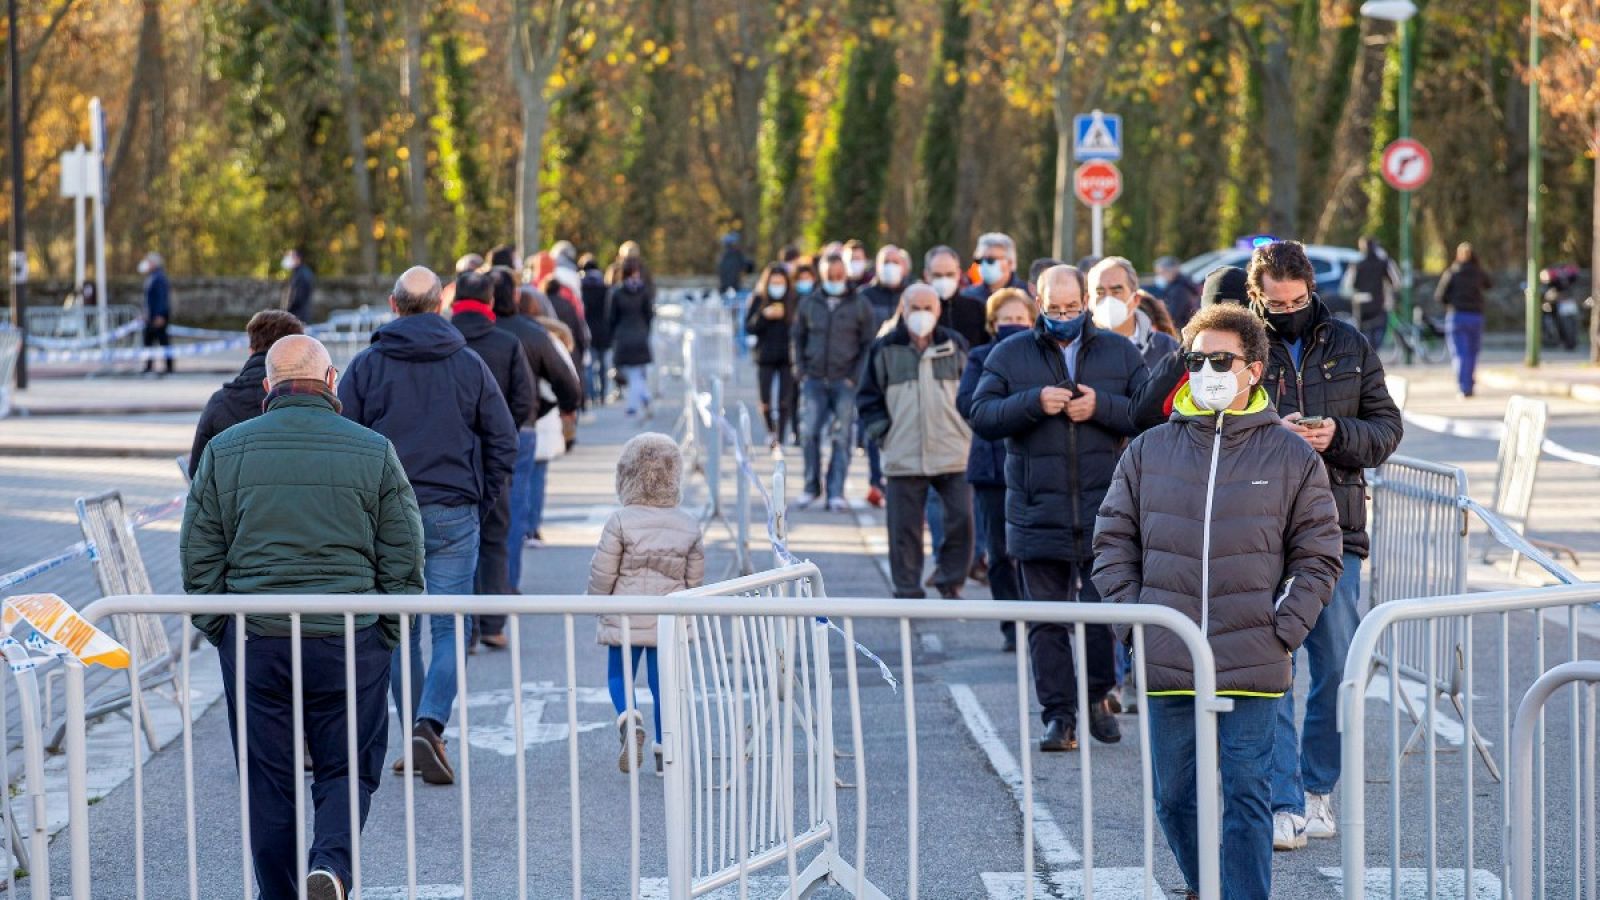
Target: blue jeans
{"x":638,"y":394}
{"x":450,"y":540}
{"x":1310,"y":761}
{"x":1244,"y":738}
{"x":541,"y":468}
{"x":827,"y":405}
{"x":618,"y":684}
{"x":1466,"y":339}
{"x":596,"y":369}
{"x":1375,"y":332}
{"x":521,"y":505}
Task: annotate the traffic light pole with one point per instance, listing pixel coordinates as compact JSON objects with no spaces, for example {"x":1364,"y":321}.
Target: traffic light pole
{"x":1405,"y":196}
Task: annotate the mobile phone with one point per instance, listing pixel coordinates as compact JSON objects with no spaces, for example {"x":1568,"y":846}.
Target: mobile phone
{"x":1311,"y":421}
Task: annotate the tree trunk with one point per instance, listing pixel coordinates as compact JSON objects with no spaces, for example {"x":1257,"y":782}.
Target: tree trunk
{"x":357,"y":143}
{"x":1345,"y":211}
{"x":416,"y":133}
{"x":1280,"y":131}
{"x":535,"y":114}
{"x":1066,"y":230}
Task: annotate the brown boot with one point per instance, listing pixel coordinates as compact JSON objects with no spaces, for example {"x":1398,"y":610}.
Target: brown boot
{"x":428,"y":753}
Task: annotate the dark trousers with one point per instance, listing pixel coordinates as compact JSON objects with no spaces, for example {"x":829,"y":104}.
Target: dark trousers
{"x":1004,"y":581}
{"x":157,"y":334}
{"x":493,"y":575}
{"x":1050,"y":645}
{"x":907,"y":499}
{"x":274,"y":760}
{"x":780,"y":398}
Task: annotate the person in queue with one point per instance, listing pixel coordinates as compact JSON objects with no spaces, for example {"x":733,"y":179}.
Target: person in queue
{"x":1225,"y":516}
{"x":1061,"y":397}
{"x":831,"y":335}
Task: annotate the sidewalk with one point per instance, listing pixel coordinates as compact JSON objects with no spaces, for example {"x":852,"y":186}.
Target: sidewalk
{"x":1554,"y":378}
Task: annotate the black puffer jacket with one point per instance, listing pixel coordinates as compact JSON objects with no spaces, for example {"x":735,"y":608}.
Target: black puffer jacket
{"x":234,"y":402}
{"x":1057,"y":470}
{"x":597,"y":309}
{"x":885,"y":300}
{"x":1226,"y":518}
{"x":772,"y":335}
{"x":547,"y":364}
{"x":1462,"y":286}
{"x":632,"y":311}
{"x":1339,"y":376}
{"x":502,"y":353}
{"x":986,"y":460}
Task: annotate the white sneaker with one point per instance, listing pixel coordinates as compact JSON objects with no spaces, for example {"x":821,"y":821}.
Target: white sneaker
{"x":838,"y":504}
{"x":1288,"y":831}
{"x":630,"y":735}
{"x":1320,"y":821}
{"x":805,"y":500}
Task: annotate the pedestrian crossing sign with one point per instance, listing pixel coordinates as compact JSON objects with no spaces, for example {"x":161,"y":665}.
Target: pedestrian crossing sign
{"x":1097,"y":135}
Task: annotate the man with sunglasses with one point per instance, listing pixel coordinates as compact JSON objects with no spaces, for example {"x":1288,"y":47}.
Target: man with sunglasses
{"x":1225,"y":517}
{"x":968,"y":313}
{"x":1060,"y":396}
{"x":1328,"y":386}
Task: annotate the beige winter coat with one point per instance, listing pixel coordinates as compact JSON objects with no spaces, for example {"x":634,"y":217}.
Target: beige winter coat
{"x":649,"y":547}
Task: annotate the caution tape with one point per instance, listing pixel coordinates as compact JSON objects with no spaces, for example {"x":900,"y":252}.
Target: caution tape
{"x":59,"y":630}
{"x":137,"y":354}
{"x":1492,"y":431}
{"x":138,"y":519}
{"x":45,"y":342}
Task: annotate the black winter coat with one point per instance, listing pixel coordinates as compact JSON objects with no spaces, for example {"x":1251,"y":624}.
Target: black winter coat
{"x":568,"y":314}
{"x":547,"y":365}
{"x":884,"y":299}
{"x":772,"y":335}
{"x":1461,"y":287}
{"x":632,"y":311}
{"x":237,"y":401}
{"x":502,"y":353}
{"x":1227,"y":519}
{"x":1057,"y":470}
{"x":986,"y":461}
{"x":597,"y":309}
{"x":832,"y":344}
{"x":297,"y":294}
{"x":1339,"y":376}
{"x":420,"y":386}
{"x":967,"y":313}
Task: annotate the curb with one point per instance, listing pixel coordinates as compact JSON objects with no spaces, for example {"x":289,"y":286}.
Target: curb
{"x":92,"y":452}
{"x":1582,"y":391}
{"x":43,"y":412}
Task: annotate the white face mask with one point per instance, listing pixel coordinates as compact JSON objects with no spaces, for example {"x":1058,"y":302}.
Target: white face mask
{"x":144,"y":267}
{"x":856,"y":267}
{"x":891,"y":274}
{"x":991,"y":273}
{"x":288,"y":262}
{"x":920,"y":322}
{"x":946,"y":287}
{"x":1215,"y":391}
{"x":1110,"y":313}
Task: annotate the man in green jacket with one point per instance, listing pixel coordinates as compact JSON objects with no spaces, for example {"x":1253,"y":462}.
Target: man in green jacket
{"x":303,"y":501}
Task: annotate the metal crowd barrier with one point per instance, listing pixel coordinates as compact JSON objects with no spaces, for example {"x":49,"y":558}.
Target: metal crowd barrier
{"x":10,"y":349}
{"x":1526,"y":733}
{"x":748,"y":730}
{"x":1495,"y":664}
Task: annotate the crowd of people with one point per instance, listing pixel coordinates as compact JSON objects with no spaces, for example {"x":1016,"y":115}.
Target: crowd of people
{"x":1069,"y":436}
{"x":1075,"y":436}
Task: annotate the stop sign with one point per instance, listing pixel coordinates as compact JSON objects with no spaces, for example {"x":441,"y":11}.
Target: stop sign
{"x":1097,"y":183}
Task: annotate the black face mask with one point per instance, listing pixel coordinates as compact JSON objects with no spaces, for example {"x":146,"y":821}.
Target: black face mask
{"x":1290,"y":326}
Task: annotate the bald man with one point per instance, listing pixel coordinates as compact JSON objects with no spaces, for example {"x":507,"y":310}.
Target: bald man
{"x":301,"y":500}
{"x":907,"y":404}
{"x":420,"y":386}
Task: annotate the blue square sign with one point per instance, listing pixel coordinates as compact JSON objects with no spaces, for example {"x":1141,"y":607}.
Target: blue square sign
{"x":1096,"y":135}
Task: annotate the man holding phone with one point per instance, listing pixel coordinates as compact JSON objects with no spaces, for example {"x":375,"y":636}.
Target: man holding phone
{"x":1328,"y":386}
{"x":1060,"y":396}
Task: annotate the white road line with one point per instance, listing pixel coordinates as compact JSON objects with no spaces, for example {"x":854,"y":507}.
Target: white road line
{"x":1414,"y":883}
{"x":424,"y":892}
{"x":931,"y":643}
{"x":1053,"y":845}
{"x":766,"y":887}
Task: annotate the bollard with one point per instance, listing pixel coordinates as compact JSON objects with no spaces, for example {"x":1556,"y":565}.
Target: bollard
{"x":742,"y":490}
{"x":714,"y":448}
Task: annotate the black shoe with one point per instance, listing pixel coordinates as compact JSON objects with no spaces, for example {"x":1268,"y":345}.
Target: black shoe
{"x":1059,"y":737}
{"x":428,"y":754}
{"x":1010,"y":645}
{"x":1103,"y":723}
{"x":322,"y":884}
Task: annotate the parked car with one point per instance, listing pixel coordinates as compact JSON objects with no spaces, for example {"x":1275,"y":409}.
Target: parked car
{"x":1328,"y":262}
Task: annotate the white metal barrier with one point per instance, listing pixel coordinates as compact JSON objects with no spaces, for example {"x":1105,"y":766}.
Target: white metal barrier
{"x":748,"y":748}
{"x":1515,"y":651}
{"x":10,"y":349}
{"x":1527,"y":733}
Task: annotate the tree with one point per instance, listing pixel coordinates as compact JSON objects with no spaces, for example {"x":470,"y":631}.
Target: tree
{"x":538,"y":31}
{"x":1571,"y":72}
{"x":456,"y":131}
{"x":853,"y":164}
{"x":783,"y":122}
{"x":416,"y":148}
{"x":939,"y":147}
{"x":357,"y":144}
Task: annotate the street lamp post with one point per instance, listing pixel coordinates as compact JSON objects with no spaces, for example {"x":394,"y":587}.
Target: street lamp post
{"x":1401,"y":13}
{"x":1532,"y":315}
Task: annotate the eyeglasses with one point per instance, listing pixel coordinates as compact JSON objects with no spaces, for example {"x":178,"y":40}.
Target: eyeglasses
{"x":990,"y":259}
{"x":1061,"y":315}
{"x":1221,"y":360}
{"x":1293,"y":306}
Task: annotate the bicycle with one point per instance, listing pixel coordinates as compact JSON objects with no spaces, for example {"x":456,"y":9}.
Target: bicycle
{"x":1424,"y":337}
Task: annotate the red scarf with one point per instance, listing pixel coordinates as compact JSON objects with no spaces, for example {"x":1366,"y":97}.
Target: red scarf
{"x":472,"y":306}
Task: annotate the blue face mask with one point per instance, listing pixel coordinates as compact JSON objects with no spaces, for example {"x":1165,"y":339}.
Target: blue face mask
{"x":803,"y":287}
{"x":1005,"y":331}
{"x":776,"y":291}
{"x":990,"y":273}
{"x":1065,"y":332}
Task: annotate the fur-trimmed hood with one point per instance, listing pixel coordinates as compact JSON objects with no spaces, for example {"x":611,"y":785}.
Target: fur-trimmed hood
{"x":650,"y":471}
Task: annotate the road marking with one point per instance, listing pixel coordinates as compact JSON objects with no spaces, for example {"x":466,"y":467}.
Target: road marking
{"x":1053,"y":845}
{"x":1414,"y":883}
{"x":1448,"y":729}
{"x":500,"y":735}
{"x":931,"y":643}
{"x":1111,"y":883}
{"x":767,"y":887}
{"x":424,"y":892}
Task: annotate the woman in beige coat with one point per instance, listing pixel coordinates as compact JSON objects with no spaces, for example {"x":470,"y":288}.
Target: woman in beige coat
{"x":649,"y":547}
